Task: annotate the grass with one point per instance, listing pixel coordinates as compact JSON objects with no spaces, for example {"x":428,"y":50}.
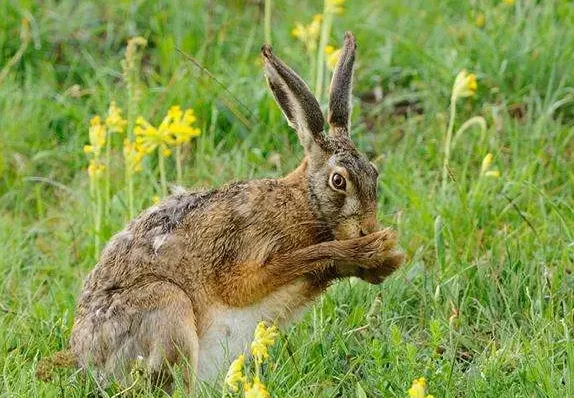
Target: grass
{"x":484,"y":306}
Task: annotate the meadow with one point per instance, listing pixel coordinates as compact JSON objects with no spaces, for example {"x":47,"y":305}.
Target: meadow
{"x":483,"y":306}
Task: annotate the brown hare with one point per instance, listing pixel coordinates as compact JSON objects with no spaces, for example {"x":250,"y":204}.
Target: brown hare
{"x":187,"y":281}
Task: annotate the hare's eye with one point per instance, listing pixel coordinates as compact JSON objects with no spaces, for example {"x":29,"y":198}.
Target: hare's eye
{"x":338,"y":181}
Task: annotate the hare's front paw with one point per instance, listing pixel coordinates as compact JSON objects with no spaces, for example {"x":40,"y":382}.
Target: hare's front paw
{"x":391,"y":261}
{"x":382,"y":257}
{"x":375,"y":247}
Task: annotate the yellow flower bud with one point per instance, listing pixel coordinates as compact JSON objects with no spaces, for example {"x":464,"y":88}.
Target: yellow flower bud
{"x":480,"y":20}
{"x":114,"y":121}
{"x":264,"y":338}
{"x":255,"y":390}
{"x":235,"y":373}
{"x":464,"y":85}
{"x":418,"y":388}
{"x":486,"y":163}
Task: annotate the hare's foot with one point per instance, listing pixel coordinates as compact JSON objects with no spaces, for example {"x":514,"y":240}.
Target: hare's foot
{"x":151,"y":327}
{"x":392,"y":261}
{"x":379,"y":257}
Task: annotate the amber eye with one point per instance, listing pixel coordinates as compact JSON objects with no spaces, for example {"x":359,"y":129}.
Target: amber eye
{"x":338,"y":181}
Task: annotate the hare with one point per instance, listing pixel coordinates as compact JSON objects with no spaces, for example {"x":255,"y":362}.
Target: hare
{"x":187,"y":281}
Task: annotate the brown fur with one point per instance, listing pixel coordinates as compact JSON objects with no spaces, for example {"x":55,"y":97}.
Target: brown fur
{"x":153,"y":294}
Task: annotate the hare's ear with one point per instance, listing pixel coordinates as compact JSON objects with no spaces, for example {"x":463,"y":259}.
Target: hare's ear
{"x":298,"y":104}
{"x":341,"y":87}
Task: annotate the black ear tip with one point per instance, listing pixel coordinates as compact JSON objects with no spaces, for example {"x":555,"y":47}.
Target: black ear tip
{"x":266,"y":50}
{"x":350,"y":39}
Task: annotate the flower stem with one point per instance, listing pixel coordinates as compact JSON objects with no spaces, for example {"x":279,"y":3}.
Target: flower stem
{"x":268,"y":22}
{"x":162,"y":176}
{"x":130,"y":185}
{"x":257,"y":369}
{"x":107,"y":188}
{"x":313,"y":64}
{"x":130,"y":136}
{"x":448,"y":141}
{"x":325,"y":31}
{"x":97,"y":212}
{"x":178,"y":165}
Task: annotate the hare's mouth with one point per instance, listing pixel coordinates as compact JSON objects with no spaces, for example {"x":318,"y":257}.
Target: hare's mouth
{"x":348,"y":230}
{"x":352,"y":228}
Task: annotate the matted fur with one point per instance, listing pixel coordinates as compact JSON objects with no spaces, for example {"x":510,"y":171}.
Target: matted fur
{"x":186,"y":282}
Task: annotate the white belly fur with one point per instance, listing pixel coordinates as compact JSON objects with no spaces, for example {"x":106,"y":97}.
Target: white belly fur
{"x":231,"y":329}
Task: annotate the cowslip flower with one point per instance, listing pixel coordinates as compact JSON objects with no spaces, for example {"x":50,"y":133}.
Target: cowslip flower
{"x":485,"y":167}
{"x":333,"y":56}
{"x":151,"y":138}
{"x":509,"y":2}
{"x":235,"y":373}
{"x":175,"y":129}
{"x":464,"y":85}
{"x":95,"y":169}
{"x":97,"y":135}
{"x":418,"y":389}
{"x":133,"y":156}
{"x":309,"y":34}
{"x":264,"y":338}
{"x":480,"y":20}
{"x":255,"y":390}
{"x":114,"y":122}
{"x":334,"y":6}
{"x":180,"y":123}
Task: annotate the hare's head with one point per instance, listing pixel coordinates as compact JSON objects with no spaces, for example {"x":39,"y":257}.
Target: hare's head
{"x":342,"y":182}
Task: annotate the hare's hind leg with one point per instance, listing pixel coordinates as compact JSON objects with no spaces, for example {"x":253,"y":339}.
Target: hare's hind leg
{"x":152,"y":327}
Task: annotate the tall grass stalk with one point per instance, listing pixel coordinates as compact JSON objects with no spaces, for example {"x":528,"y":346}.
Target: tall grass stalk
{"x":178,"y":165}
{"x":324,"y":38}
{"x":447,"y":142}
{"x":268,"y":22}
{"x":162,"y":173}
{"x":131,"y":72}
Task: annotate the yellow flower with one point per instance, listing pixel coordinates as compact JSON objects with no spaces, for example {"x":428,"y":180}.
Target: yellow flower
{"x":133,"y":156}
{"x":235,"y":373}
{"x":114,"y":121}
{"x":486,"y":163}
{"x":315,"y":26}
{"x":95,"y":169}
{"x":485,"y":167}
{"x":179,"y":124}
{"x":509,"y":2}
{"x":151,"y":138}
{"x":175,"y":129}
{"x":264,"y":338}
{"x":334,"y":6}
{"x":155,"y":199}
{"x":464,"y":85}
{"x":418,"y":389}
{"x":309,"y":35}
{"x":97,"y":134}
{"x":333,"y":56}
{"x":255,"y":390}
{"x":480,"y":20}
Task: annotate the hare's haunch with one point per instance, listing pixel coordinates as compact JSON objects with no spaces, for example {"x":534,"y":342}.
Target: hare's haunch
{"x":186,"y":282}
